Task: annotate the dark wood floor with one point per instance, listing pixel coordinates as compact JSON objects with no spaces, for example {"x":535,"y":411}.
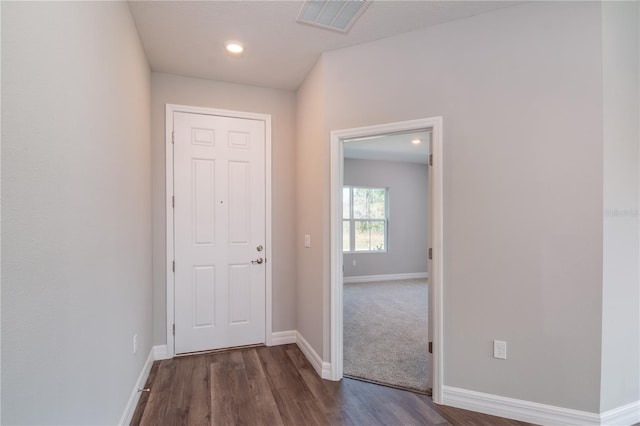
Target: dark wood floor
{"x":278,"y":386}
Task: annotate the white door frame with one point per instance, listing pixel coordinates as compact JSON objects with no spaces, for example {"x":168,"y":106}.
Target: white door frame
{"x":436,"y":213}
{"x":170,"y":109}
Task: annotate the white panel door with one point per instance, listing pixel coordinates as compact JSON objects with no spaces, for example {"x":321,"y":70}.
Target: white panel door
{"x":219,"y":225}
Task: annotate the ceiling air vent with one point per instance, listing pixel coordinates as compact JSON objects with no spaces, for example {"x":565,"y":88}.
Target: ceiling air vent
{"x":336,"y":15}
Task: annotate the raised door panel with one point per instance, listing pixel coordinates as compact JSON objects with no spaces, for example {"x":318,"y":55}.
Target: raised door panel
{"x":203,"y":200}
{"x":239,"y":202}
{"x":204,"y":296}
{"x":239,"y":293}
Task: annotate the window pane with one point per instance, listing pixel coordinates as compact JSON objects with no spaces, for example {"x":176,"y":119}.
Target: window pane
{"x":368,"y":219}
{"x":377,"y":236}
{"x":369,"y":235}
{"x":346,"y":202}
{"x":360,"y":203}
{"x":346,"y":241}
{"x":363,"y":237}
{"x":377,"y":203}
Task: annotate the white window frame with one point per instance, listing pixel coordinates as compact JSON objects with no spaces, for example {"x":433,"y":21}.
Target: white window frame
{"x":352,"y":220}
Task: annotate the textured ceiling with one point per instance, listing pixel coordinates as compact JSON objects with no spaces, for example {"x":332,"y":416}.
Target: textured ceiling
{"x":187,"y":37}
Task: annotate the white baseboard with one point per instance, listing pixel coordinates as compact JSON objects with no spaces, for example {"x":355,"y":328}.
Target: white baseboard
{"x":283,"y":337}
{"x":322,"y":368}
{"x":125,"y":420}
{"x":326,"y":370}
{"x":160,"y":352}
{"x":388,"y":277}
{"x":156,"y":353}
{"x":622,"y":416}
{"x":516,"y":409}
{"x":533,"y":412}
{"x":292,"y":336}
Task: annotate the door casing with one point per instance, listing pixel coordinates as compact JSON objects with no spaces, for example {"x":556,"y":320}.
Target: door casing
{"x":436,"y":240}
{"x":170,"y":109}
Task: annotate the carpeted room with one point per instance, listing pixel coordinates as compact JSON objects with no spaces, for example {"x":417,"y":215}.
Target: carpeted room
{"x":385,"y":332}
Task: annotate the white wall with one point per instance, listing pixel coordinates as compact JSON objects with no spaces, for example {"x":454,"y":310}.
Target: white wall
{"x":520,"y":90}
{"x":408,"y":216}
{"x":76,"y":219}
{"x":621,"y":277}
{"x":280,"y":104}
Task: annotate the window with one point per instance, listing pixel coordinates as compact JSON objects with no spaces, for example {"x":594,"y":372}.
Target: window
{"x":364,"y":219}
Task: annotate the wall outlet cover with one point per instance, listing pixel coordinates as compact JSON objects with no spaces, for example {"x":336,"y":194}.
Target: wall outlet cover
{"x":499,"y":349}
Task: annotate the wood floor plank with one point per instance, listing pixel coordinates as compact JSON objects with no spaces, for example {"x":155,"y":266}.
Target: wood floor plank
{"x":278,"y":370}
{"x":144,"y":397}
{"x":181,"y":392}
{"x":158,"y":401}
{"x":266,"y":407}
{"x":294,"y":399}
{"x":199,"y":413}
{"x":406,"y":416}
{"x":416,"y":406}
{"x":313,"y":412}
{"x":290,"y":412}
{"x":316,"y":385}
{"x":372,"y":402}
{"x":231,"y":401}
{"x":278,"y":386}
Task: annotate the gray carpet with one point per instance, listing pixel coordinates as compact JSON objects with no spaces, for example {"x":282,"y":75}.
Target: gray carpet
{"x":385,"y":332}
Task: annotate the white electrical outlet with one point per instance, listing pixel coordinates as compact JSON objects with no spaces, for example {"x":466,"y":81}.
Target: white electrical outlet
{"x":499,"y":349}
{"x":135,"y":344}
{"x":354,"y":262}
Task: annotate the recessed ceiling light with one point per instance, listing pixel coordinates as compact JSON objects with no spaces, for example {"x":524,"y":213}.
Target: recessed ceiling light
{"x":234,"y":47}
{"x":416,"y":141}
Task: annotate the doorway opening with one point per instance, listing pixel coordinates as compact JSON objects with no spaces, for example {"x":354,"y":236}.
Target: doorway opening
{"x":385,"y":246}
{"x":374,"y":235}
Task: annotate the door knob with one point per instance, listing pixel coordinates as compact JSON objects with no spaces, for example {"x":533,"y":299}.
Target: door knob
{"x":258,"y":261}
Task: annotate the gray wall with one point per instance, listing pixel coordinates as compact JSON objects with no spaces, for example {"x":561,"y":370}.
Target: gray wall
{"x":522,"y":182}
{"x":76,"y":217}
{"x":621,"y":279}
{"x":522,"y":222}
{"x":280,"y":104}
{"x":311,"y":161}
{"x":407,"y":234}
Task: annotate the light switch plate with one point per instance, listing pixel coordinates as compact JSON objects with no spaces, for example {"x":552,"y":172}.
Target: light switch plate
{"x":307,"y":240}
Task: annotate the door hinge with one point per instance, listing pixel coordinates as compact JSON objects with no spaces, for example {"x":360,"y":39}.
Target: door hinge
{"x":430,"y":347}
{"x":174,"y":329}
{"x":173,"y":201}
{"x":173,"y":137}
{"x":430,"y":254}
{"x":431,"y":159}
{"x":174,"y":266}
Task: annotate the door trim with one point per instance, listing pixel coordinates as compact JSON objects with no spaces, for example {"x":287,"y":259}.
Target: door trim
{"x":170,"y":109}
{"x":437,"y":240}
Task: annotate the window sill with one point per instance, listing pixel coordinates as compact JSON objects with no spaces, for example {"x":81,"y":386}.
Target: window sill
{"x":366,"y":252}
